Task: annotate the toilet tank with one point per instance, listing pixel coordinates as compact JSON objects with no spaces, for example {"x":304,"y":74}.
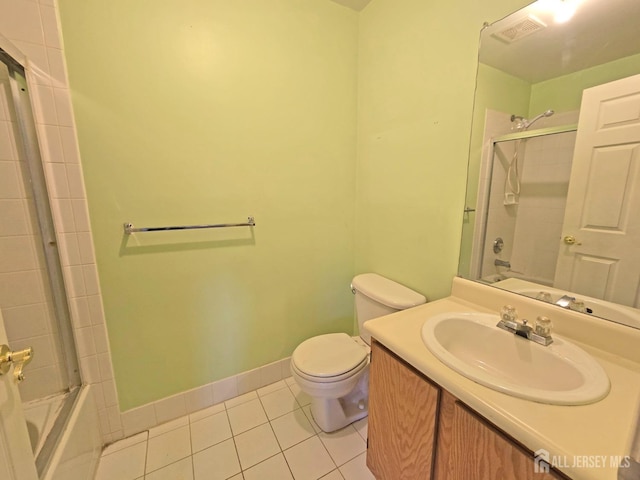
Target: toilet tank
{"x":377,"y":296}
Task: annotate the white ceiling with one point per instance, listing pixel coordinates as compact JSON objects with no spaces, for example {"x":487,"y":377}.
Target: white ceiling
{"x":357,"y":5}
{"x":599,"y":32}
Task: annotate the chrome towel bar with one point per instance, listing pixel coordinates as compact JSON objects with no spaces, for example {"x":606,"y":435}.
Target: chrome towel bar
{"x":129,"y":228}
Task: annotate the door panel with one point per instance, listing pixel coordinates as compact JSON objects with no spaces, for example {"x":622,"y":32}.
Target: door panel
{"x":16,"y":457}
{"x":604,"y":197}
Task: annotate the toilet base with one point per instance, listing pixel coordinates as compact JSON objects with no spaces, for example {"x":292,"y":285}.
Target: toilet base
{"x":332,"y":414}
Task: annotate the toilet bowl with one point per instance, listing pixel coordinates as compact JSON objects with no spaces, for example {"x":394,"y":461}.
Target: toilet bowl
{"x":333,"y":369}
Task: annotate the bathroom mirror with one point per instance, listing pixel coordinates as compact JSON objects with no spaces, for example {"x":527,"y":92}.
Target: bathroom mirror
{"x":526,"y":227}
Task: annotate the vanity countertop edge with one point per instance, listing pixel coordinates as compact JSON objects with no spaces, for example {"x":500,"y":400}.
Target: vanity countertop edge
{"x":571,"y":434}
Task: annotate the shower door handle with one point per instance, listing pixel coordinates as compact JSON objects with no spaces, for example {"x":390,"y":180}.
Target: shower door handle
{"x":19,"y":359}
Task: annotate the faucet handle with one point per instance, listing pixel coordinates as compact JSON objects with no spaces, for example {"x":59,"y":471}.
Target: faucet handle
{"x":543,"y":326}
{"x":508,"y":313}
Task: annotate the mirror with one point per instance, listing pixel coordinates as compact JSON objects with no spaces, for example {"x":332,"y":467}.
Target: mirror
{"x":532,"y":205}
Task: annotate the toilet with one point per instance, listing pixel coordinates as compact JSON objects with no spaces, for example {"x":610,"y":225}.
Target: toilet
{"x":333,"y":369}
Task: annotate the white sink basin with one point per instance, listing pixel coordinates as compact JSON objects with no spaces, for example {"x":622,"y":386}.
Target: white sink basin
{"x":472,"y":345}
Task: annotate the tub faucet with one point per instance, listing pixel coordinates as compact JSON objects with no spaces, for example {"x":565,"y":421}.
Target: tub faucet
{"x":501,"y":263}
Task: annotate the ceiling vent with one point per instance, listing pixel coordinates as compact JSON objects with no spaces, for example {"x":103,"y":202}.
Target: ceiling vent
{"x":520,"y":29}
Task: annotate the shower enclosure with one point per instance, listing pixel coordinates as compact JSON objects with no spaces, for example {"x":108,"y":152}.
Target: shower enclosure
{"x":33,"y":300}
{"x":520,"y":198}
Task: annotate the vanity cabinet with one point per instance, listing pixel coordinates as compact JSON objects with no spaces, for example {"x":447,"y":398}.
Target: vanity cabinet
{"x":402,"y":418}
{"x":418,"y":430}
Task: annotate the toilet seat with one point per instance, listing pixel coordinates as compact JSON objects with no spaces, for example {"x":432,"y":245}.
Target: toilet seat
{"x":329,"y":358}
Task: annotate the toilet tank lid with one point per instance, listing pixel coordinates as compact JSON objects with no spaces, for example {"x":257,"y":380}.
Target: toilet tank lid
{"x":386,"y":292}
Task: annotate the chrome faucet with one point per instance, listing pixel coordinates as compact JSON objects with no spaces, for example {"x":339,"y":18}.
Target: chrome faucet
{"x":539,"y":333}
{"x":502,"y":263}
{"x":571,"y":303}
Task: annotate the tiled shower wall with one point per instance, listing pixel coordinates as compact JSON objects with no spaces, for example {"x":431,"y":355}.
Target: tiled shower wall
{"x":32,"y":27}
{"x":25,"y":295}
{"x":545,"y":169}
{"x":545,"y":180}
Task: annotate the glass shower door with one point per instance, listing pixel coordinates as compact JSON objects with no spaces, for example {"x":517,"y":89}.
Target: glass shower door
{"x":32,"y":295}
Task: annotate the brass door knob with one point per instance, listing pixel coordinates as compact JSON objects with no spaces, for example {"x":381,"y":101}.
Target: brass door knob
{"x":19,"y":359}
{"x":571,"y":240}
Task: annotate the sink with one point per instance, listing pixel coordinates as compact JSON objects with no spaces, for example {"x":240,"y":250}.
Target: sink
{"x":471,"y":344}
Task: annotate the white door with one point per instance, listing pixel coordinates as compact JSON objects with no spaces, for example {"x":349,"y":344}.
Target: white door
{"x":16,"y":457}
{"x":602,"y":216}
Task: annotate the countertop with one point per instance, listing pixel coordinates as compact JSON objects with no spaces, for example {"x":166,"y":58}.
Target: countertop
{"x":583,"y":441}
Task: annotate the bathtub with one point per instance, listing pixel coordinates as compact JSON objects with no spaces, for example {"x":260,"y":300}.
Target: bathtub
{"x":75,"y":455}
{"x":41,"y":416}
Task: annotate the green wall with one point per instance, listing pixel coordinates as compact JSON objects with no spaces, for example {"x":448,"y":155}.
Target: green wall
{"x":565,"y":93}
{"x":346,"y":135}
{"x":206,"y":112}
{"x":417,"y":72}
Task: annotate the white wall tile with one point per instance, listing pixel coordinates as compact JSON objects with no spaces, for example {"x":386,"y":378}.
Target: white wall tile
{"x":41,"y":382}
{"x":110,"y":393}
{"x":199,"y":398}
{"x":68,"y":248}
{"x":26,"y":321}
{"x":270,"y":373}
{"x":90,"y":369}
{"x":106,"y":370}
{"x":50,"y":143}
{"x":249,"y":381}
{"x":50,"y":26}
{"x":20,"y":288}
{"x":85,"y":243}
{"x":91,"y":279}
{"x":17,"y":255}
{"x":96,"y":310}
{"x":63,"y":107}
{"x":21,"y":21}
{"x":100,"y":338}
{"x":44,"y":104}
{"x":81,"y":215}
{"x":9,"y":179}
{"x":138,"y":419}
{"x":57,"y":180}
{"x":170,"y":408}
{"x":225,"y":389}
{"x":84,"y":341}
{"x":74,"y":177}
{"x":56,"y":67}
{"x":63,"y":215}
{"x":74,"y":281}
{"x":80,"y":316}
{"x":14,"y":218}
{"x":69,"y":144}
{"x":115,"y":420}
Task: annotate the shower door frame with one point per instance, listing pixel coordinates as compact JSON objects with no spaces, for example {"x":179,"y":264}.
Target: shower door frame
{"x":28,"y":139}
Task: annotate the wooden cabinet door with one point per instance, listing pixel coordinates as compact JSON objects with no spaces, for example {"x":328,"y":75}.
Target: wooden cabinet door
{"x":402,"y":419}
{"x":470,"y":448}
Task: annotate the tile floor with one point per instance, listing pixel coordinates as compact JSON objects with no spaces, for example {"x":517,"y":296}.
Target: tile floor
{"x":265,"y":434}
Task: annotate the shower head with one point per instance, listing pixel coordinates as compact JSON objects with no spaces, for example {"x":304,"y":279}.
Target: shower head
{"x":528,"y":123}
{"x":522,"y":123}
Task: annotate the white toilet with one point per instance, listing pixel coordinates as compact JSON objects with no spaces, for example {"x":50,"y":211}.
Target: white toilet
{"x":333,"y":369}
